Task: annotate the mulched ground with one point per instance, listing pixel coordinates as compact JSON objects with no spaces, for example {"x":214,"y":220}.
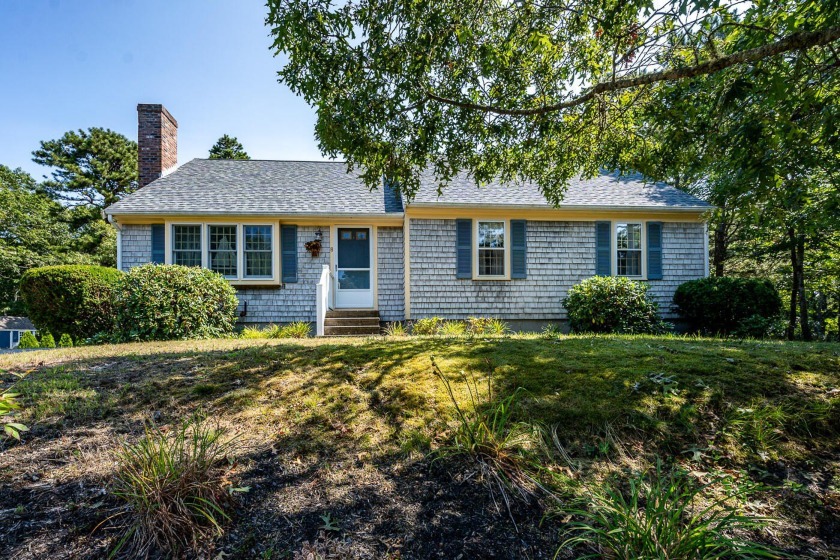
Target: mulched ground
{"x":313,"y":507}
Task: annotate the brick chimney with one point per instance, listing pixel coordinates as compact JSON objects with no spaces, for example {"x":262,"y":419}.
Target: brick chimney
{"x":157,"y":142}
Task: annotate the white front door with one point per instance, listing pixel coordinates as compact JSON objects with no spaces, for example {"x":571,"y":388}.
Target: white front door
{"x":353,"y":278}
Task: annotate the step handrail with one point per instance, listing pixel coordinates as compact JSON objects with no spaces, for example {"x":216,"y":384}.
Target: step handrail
{"x":322,"y":299}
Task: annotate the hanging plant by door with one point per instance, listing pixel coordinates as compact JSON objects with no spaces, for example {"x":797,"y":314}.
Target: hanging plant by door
{"x":314,"y":247}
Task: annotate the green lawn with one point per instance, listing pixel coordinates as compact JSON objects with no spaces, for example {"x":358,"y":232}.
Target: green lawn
{"x":324,"y":423}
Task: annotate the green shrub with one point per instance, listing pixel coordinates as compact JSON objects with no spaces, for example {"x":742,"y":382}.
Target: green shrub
{"x":426,"y":326}
{"x":612,"y":304}
{"x":66,"y":341}
{"x":166,"y":302}
{"x":74,"y":299}
{"x":724,"y":305}
{"x":28,"y":340}
{"x":47,"y":340}
{"x":175,"y":485}
{"x":665,"y":515}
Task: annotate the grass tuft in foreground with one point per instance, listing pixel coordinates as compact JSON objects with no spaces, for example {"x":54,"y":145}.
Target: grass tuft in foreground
{"x":664,"y":515}
{"x":508,"y":453}
{"x":175,"y":486}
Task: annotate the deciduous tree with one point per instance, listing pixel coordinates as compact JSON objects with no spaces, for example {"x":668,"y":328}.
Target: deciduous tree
{"x":538,"y":90}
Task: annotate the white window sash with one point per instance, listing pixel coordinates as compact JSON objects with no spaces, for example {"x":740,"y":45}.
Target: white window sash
{"x":505,"y":250}
{"x":240,"y":277}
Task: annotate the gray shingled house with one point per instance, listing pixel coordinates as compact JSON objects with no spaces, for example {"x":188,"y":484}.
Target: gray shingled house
{"x":498,"y":250}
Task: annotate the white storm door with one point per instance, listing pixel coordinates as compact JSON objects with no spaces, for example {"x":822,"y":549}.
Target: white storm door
{"x":353,"y":278}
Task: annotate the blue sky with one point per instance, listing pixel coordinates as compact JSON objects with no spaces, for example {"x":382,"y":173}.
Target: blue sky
{"x":70,"y":64}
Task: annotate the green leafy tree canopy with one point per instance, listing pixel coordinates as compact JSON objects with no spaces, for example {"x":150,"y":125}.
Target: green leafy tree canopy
{"x":228,"y":147}
{"x":539,"y":90}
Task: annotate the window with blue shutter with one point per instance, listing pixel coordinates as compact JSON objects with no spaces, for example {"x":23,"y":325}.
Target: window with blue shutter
{"x":463,"y":249}
{"x":288,"y":248}
{"x":158,"y":244}
{"x":603,"y":254}
{"x":518,"y":248}
{"x":654,"y":250}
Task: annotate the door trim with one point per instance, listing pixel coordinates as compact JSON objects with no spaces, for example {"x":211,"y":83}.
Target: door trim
{"x":374,"y":261}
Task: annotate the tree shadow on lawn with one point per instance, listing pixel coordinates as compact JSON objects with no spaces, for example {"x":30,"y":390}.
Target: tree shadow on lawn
{"x":337,"y":422}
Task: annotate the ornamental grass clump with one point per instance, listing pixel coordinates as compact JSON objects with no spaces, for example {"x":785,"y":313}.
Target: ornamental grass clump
{"x":396,"y":329}
{"x":507,"y":452}
{"x":664,"y":515}
{"x":426,"y":326}
{"x":176,"y":488}
{"x":297,"y":329}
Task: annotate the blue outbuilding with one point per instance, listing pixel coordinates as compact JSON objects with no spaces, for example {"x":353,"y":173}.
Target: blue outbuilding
{"x":11,"y":329}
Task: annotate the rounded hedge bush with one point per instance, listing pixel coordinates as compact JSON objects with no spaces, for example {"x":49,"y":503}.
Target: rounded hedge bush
{"x":74,"y":299}
{"x":167,"y":302}
{"x":47,"y":340}
{"x":612,"y":304}
{"x":27,"y":341}
{"x":724,"y":305}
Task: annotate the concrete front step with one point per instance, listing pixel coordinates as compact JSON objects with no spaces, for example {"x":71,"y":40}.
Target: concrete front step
{"x":344,"y":313}
{"x":351,"y":322}
{"x":351,"y":330}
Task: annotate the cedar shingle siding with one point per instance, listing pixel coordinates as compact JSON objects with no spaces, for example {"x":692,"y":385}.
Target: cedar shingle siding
{"x":295,"y":302}
{"x":136,"y":245}
{"x":559,"y":255}
{"x":391,"y":256}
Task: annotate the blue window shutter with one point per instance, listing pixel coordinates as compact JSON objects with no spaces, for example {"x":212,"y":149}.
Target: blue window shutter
{"x":158,"y":244}
{"x":463,"y":235}
{"x":518,"y":249}
{"x":603,"y":255}
{"x":654,"y":250}
{"x":288,"y":247}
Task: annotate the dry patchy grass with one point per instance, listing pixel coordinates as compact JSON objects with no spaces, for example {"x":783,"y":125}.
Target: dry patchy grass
{"x":341,"y":428}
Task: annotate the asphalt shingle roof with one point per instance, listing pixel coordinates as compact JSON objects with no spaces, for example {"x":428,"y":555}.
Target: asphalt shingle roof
{"x":204,"y":186}
{"x":264,"y":187}
{"x":606,"y":190}
{"x":8,"y":323}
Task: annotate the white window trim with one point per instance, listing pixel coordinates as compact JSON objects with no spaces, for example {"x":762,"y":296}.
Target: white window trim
{"x":475,"y":248}
{"x":205,"y":247}
{"x":241,"y":279}
{"x":170,"y":249}
{"x":614,"y":247}
{"x":241,"y":253}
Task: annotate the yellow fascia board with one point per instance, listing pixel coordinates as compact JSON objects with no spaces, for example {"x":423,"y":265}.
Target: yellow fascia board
{"x":303,"y":220}
{"x":557,"y":214}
